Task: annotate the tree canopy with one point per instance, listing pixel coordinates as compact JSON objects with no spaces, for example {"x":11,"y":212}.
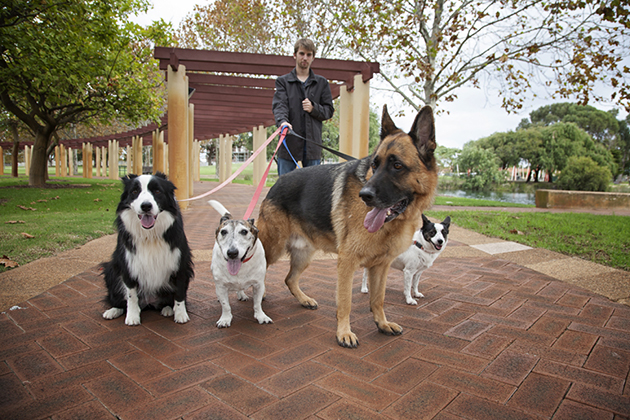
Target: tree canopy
{"x":75,"y":61}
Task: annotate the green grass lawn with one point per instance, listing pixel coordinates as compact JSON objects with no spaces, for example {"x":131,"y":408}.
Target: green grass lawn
{"x":74,"y":210}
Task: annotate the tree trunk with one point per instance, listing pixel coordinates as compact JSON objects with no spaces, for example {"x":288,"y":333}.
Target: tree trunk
{"x":39,"y":162}
{"x":14,"y":159}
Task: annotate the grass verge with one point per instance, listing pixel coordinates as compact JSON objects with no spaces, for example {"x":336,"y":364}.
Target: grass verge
{"x":40,"y":222}
{"x":598,"y":238}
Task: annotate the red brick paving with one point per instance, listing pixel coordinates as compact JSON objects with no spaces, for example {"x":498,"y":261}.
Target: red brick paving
{"x":491,"y":340}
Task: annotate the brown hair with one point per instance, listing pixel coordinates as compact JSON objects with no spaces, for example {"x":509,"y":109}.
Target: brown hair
{"x":305,"y":43}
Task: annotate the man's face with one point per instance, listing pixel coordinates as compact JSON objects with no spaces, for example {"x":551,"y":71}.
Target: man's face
{"x":304,"y":58}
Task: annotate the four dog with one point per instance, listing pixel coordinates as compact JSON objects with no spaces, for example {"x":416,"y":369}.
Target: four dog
{"x":366,"y":211}
{"x":428,"y":243}
{"x":238,"y":262}
{"x":152,"y":262}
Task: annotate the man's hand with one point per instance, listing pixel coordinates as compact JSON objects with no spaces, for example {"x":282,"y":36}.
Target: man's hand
{"x":307,"y":105}
{"x":287,"y":124}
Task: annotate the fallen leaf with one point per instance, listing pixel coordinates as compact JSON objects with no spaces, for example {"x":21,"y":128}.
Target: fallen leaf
{"x":97,"y":200}
{"x":27,"y":208}
{"x":55,"y":198}
{"x":516,"y":232}
{"x":14,"y":222}
{"x":42,"y":200}
{"x":27,"y":235}
{"x":7,"y":262}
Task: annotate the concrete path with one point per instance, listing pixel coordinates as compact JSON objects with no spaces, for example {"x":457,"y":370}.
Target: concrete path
{"x":505,"y":331}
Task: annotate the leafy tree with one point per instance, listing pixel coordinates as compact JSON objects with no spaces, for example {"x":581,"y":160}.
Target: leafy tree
{"x":481,"y":167}
{"x":505,"y":146}
{"x":447,"y":157}
{"x":69,"y":62}
{"x":442,"y":45}
{"x":602,"y":126}
{"x":583,"y":174}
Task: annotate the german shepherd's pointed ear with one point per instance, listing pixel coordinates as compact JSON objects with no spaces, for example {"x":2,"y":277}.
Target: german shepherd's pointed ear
{"x":387,"y":125}
{"x":423,"y":131}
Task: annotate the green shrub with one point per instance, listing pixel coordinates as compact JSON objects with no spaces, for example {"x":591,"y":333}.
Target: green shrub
{"x":583,"y":174}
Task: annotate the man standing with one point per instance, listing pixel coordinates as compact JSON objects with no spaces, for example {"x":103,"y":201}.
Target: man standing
{"x":302,"y":101}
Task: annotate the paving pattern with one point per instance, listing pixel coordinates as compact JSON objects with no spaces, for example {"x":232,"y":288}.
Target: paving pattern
{"x":492,"y":339}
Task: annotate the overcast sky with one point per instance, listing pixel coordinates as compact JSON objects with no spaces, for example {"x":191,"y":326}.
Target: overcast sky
{"x":475,"y":114}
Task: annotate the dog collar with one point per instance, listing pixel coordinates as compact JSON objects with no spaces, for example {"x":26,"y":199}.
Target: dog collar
{"x":418,"y":244}
{"x":250,"y":257}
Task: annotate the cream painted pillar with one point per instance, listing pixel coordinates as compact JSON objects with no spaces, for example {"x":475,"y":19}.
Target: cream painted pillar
{"x":225,"y":162}
{"x":70,"y":161}
{"x":27,"y":159}
{"x":136,"y":152}
{"x":64,"y":160}
{"x":166,"y":163}
{"x":219,"y":156}
{"x":191,"y":149}
{"x":178,"y":160}
{"x":196,"y":161}
{"x":158,"y":152}
{"x":261,"y":159}
{"x":98,"y":161}
{"x":104,"y":161}
{"x":129,"y":160}
{"x":354,"y":119}
{"x":87,"y":160}
{"x":57,"y":162}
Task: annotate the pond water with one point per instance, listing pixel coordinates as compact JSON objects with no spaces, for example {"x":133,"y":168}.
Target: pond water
{"x":520,"y":198}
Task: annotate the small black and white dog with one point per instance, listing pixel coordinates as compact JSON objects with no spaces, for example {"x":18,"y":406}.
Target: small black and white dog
{"x":152,"y":264}
{"x":428,"y":243}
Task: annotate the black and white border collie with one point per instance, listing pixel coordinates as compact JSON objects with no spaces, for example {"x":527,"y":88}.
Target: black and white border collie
{"x":152,"y":264}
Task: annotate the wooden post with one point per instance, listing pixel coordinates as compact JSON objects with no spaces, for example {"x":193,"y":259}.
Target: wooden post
{"x":219,"y":156}
{"x":129,"y":160}
{"x":27,"y":159}
{"x":57,"y":162}
{"x":1,"y":161}
{"x":158,"y":152}
{"x":137,"y":155}
{"x":166,"y":163}
{"x":98,"y":161}
{"x":354,"y":119}
{"x":70,"y":161}
{"x":104,"y":161}
{"x":191,"y":149}
{"x":63,"y":152}
{"x":177,"y":132}
{"x":261,"y":159}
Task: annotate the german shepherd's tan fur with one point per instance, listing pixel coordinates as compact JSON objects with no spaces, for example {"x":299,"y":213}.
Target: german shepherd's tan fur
{"x":334,"y":207}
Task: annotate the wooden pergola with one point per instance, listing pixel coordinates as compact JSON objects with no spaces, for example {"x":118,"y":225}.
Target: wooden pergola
{"x":231,"y":94}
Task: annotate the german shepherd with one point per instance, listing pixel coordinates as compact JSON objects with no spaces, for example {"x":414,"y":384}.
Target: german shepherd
{"x":365,"y":210}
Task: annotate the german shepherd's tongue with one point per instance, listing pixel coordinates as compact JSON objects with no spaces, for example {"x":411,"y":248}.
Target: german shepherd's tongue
{"x":375,"y":219}
{"x":147,"y":221}
{"x":234,"y":265}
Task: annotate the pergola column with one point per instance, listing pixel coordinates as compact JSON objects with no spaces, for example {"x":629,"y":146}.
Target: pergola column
{"x":191,"y":148}
{"x":158,"y":152}
{"x":57,"y":162}
{"x":70,"y":161}
{"x":354,"y":118}
{"x":104,"y":161}
{"x":225,"y":157}
{"x":261,"y":159}
{"x":87,"y":160}
{"x":1,"y":161}
{"x":64,"y":160}
{"x":97,"y":159}
{"x":129,"y":160}
{"x":27,"y":159}
{"x":177,"y":131}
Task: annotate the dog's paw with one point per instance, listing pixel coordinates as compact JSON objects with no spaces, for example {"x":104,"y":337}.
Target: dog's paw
{"x":417,"y":294}
{"x":364,"y":289}
{"x":224,"y":322}
{"x":167,"y":311}
{"x":132,"y":319}
{"x":263,"y":319}
{"x":411,"y":301}
{"x":348,"y":340}
{"x":182,"y":317}
{"x":242,"y":296}
{"x":309,"y":303}
{"x":113,"y":313}
{"x":390,"y":328}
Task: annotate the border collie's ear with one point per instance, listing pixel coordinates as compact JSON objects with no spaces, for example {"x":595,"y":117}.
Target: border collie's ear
{"x":423,"y":131}
{"x":128,"y":178}
{"x":387,"y":125}
{"x":447,"y":222}
{"x":160,"y":175}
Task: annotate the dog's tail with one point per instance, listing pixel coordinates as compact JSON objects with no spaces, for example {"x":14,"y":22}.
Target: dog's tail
{"x":219,"y":208}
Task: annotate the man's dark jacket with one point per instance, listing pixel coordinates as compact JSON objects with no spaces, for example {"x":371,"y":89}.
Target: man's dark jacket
{"x":287,"y":106}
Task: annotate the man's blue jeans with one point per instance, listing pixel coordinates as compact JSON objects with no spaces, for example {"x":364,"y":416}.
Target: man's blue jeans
{"x":286,"y":166}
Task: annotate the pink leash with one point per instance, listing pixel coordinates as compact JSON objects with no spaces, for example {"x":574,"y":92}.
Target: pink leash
{"x":247,"y":162}
{"x":261,"y":184}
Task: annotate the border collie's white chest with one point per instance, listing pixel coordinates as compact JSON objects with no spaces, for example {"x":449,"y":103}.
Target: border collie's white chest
{"x":152,"y":264}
